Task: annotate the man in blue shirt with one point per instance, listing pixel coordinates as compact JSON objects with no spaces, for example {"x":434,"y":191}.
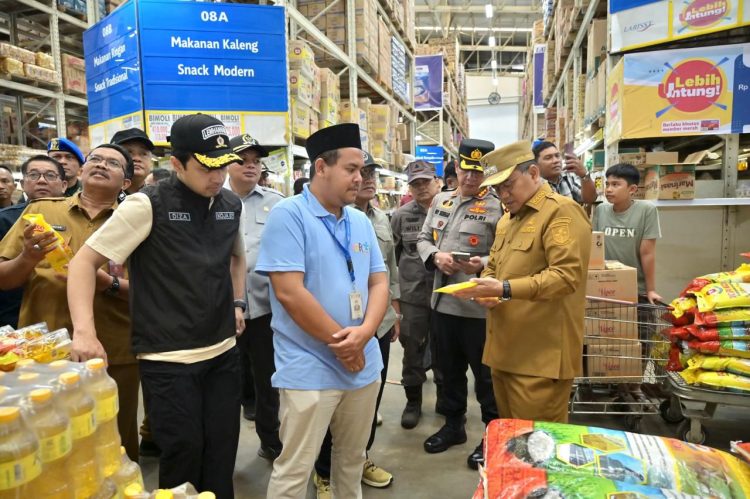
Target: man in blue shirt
{"x":329,"y":295}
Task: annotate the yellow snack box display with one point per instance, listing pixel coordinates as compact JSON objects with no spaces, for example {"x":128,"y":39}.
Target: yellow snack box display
{"x":452,"y":288}
{"x":59,"y":257}
{"x":723,"y":295}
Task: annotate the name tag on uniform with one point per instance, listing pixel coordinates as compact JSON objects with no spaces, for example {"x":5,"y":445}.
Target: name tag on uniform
{"x":179,"y":216}
{"x":224,"y":215}
{"x":355,"y":305}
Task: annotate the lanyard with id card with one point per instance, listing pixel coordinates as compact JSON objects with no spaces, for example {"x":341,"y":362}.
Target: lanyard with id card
{"x":356,"y":308}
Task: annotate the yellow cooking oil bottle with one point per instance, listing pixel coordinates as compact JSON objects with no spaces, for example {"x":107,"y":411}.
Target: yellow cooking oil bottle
{"x":128,"y":474}
{"x":103,"y":390}
{"x":52,"y":428}
{"x":80,"y":408}
{"x":20,"y":464}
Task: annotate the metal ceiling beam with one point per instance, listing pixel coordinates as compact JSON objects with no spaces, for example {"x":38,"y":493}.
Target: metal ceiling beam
{"x":477,"y":9}
{"x":487,"y":48}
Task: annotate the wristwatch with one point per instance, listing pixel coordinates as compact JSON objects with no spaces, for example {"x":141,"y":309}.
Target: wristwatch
{"x":241,"y":304}
{"x":113,"y":288}
{"x":506,"y":291}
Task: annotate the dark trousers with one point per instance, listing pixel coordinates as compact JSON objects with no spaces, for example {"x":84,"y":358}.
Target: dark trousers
{"x":193,"y":415}
{"x":323,"y":463}
{"x":247,"y":393}
{"x":459,"y":345}
{"x":256,"y":348}
{"x":415,"y":339}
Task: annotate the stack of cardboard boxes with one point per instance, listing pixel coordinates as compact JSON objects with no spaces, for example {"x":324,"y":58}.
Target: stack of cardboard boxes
{"x":17,"y":61}
{"x":662,"y":175}
{"x":612,"y":339}
{"x":385,"y":71}
{"x":333,"y":24}
{"x":596,"y":75}
{"x":74,"y":74}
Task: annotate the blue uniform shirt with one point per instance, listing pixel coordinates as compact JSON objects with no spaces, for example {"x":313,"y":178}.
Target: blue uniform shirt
{"x":296,"y":240}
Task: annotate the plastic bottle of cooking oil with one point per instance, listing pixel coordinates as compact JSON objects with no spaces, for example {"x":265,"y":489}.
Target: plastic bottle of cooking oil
{"x":107,"y":490}
{"x":80,"y":408}
{"x":52,"y":428}
{"x":129,"y":473}
{"x":103,"y":390}
{"x":26,"y":365}
{"x":20,"y":464}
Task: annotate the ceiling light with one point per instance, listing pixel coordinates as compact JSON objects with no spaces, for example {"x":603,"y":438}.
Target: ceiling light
{"x":488,"y":10}
{"x":517,"y":67}
{"x":494,"y":81}
{"x":493,"y":64}
{"x":492,"y":41}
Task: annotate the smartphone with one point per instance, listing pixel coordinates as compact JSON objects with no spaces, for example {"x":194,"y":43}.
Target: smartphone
{"x":460,"y":256}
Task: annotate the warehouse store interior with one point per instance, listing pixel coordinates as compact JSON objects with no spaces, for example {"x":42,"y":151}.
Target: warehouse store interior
{"x":658,"y":405}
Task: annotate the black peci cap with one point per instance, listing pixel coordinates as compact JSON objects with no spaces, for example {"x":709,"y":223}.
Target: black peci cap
{"x":332,"y":138}
{"x":132,"y":134}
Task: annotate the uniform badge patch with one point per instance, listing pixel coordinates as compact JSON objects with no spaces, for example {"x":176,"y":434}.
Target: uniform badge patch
{"x":560,"y":228}
{"x":447,"y":203}
{"x":478,"y":210}
{"x":473,"y":240}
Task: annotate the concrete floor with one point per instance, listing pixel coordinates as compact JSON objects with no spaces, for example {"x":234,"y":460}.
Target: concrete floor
{"x":420,"y":475}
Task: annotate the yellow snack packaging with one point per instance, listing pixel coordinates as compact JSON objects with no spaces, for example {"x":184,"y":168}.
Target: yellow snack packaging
{"x":732,"y":365}
{"x":740,"y":274}
{"x":452,"y":288}
{"x":681,"y":305}
{"x":59,"y":257}
{"x":717,"y":380}
{"x":723,"y":295}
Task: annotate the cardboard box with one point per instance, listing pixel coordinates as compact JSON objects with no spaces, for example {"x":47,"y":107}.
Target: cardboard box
{"x":329,"y":84}
{"x":329,"y":110}
{"x":302,"y":58}
{"x":300,"y":119}
{"x":300,"y":86}
{"x":606,"y":322}
{"x":677,"y":181}
{"x":314,"y":122}
{"x":74,"y":74}
{"x":615,"y":282}
{"x":345,"y":116}
{"x":597,"y":45}
{"x":596,"y":258}
{"x":646,"y":158}
{"x":614,"y":360}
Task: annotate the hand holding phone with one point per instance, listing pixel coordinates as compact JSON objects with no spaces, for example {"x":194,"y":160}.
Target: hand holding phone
{"x":460,"y":256}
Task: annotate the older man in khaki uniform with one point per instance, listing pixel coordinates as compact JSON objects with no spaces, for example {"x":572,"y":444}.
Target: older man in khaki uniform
{"x":535,"y":286}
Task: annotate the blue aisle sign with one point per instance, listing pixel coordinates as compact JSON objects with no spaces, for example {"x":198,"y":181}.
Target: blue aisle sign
{"x":431,"y":154}
{"x":228,"y":60}
{"x":113,"y":77}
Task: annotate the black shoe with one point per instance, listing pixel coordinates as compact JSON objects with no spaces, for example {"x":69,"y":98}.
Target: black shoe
{"x":268,"y":452}
{"x":477,"y":457}
{"x":248,"y":412}
{"x":149,"y":449}
{"x":411,"y":414}
{"x":445,"y":438}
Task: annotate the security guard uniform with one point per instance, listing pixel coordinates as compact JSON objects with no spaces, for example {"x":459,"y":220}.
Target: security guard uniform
{"x":416,"y":291}
{"x":460,"y":224}
{"x":535,"y":341}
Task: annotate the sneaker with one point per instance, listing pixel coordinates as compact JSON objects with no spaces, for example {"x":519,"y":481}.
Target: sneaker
{"x":322,"y":486}
{"x":375,"y":476}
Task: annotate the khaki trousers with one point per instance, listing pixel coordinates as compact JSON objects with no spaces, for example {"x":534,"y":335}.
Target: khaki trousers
{"x":305,"y":417}
{"x":531,"y":397}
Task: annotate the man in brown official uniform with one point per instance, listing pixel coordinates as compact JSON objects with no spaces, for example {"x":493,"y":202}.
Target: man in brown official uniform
{"x":538,"y":262}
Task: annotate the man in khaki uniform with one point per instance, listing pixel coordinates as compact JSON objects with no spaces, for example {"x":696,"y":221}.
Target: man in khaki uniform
{"x":455,"y":240}
{"x":538,"y":262}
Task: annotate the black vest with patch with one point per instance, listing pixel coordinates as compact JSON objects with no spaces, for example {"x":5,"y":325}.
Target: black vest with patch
{"x":181,"y":294}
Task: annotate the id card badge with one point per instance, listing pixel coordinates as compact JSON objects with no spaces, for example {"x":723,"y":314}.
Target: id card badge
{"x":355,"y":305}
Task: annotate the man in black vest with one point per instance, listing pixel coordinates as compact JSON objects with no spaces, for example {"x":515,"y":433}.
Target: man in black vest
{"x":183,"y":242}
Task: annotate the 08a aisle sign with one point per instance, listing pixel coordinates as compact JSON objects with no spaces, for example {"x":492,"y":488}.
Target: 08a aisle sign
{"x":227,"y":60}
{"x":696,"y":91}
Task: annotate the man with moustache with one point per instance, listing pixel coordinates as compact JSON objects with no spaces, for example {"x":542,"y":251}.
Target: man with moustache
{"x":106,"y":171}
{"x":140,"y":147}
{"x":566,"y":176}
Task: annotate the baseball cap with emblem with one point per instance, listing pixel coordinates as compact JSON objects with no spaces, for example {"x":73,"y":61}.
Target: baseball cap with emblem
{"x":205,"y":137}
{"x":246,"y":141}
{"x":369,"y":160}
{"x":420,"y":169}
{"x":132,"y":134}
{"x":471,"y":152}
{"x":65,"y":145}
{"x":500,"y":164}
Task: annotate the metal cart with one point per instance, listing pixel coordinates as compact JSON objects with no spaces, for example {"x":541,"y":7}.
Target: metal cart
{"x":692,"y":404}
{"x":625,"y":355}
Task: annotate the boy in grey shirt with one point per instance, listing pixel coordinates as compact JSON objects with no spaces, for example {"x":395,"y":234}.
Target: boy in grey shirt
{"x":630,"y":227}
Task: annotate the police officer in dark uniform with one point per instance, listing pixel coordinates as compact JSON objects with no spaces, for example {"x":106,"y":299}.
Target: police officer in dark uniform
{"x":455,"y":241}
{"x":416,"y":286}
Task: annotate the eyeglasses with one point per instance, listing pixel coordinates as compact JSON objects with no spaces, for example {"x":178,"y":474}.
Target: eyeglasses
{"x":48,"y":176}
{"x":110,"y":163}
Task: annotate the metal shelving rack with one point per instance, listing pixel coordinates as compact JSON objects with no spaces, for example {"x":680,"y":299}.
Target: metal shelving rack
{"x":355,"y":73}
{"x":55,"y":29}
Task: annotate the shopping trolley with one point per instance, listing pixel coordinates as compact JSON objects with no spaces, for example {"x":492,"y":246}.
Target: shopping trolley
{"x":625,"y":355}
